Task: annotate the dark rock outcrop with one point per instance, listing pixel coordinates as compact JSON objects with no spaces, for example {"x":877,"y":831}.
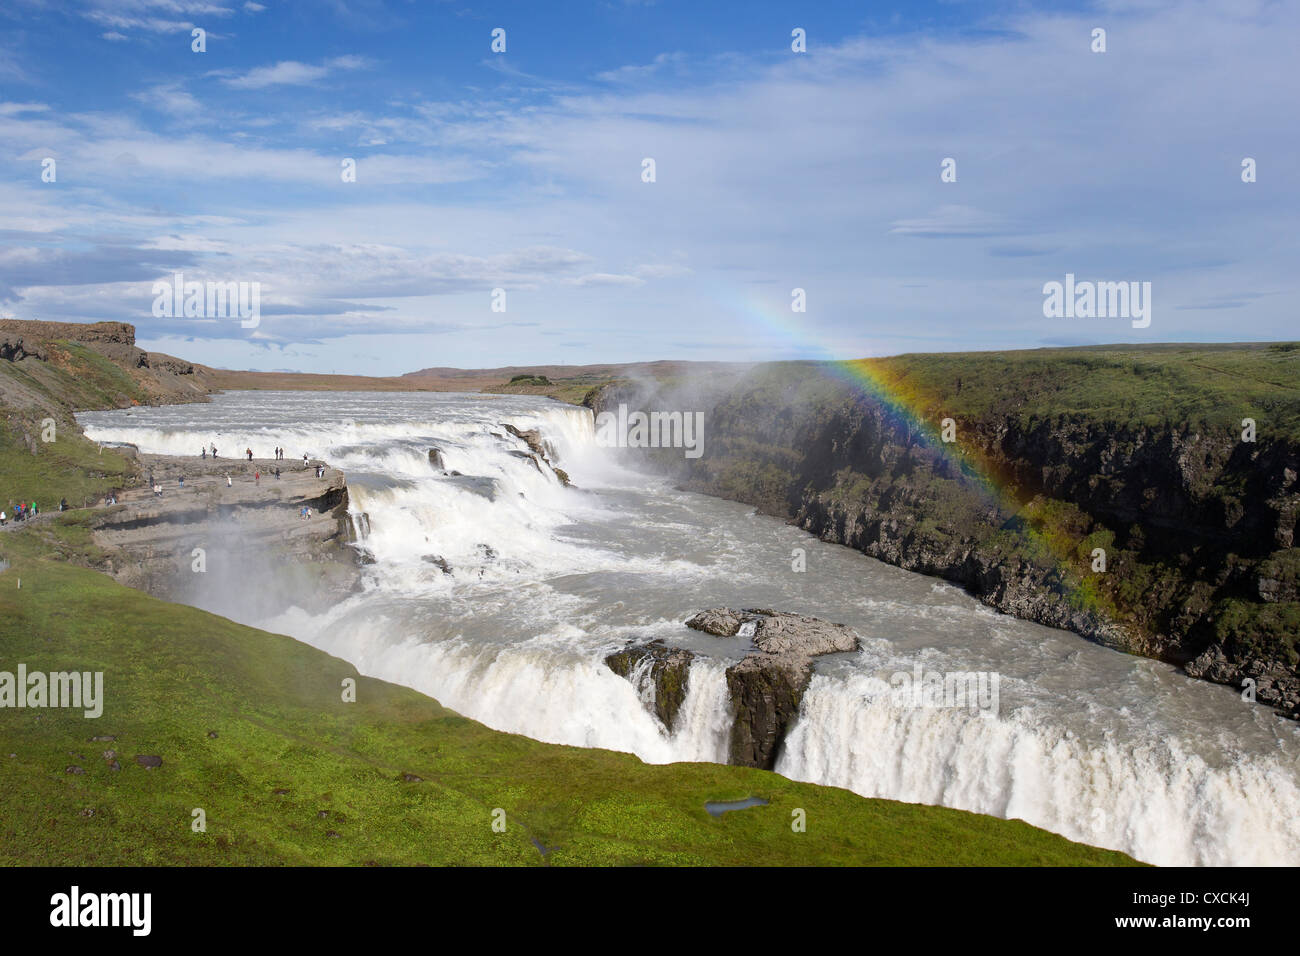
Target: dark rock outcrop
{"x":765,"y":691}
{"x":438,"y":561}
{"x":668,"y":675}
{"x":530,"y":437}
{"x":543,"y":453}
{"x":1270,"y":681}
{"x":12,"y":349}
{"x":765,"y":687}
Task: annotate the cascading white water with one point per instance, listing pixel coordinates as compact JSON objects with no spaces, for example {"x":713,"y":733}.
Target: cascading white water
{"x":545,"y":581}
{"x":1148,"y":796}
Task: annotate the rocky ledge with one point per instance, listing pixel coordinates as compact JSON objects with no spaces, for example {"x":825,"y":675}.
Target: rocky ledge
{"x":765,"y":687}
{"x":264,"y":538}
{"x":540,"y":451}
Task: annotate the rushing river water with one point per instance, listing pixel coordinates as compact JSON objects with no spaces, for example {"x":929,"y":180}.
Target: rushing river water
{"x":1102,"y":747}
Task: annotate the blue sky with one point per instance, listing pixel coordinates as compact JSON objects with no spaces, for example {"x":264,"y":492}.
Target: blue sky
{"x":521,"y":171}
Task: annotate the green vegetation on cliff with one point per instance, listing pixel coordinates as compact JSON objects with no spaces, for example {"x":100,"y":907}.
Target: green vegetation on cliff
{"x":37,"y":398}
{"x":1157,"y":385}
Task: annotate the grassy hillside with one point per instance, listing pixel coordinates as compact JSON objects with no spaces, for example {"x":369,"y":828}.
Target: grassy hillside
{"x":36,"y":402}
{"x":251,"y":728}
{"x":1172,"y":385}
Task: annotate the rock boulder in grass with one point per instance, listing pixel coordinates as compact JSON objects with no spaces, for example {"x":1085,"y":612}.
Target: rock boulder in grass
{"x":669,"y":674}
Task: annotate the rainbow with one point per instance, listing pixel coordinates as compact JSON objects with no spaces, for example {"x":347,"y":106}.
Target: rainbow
{"x":915,"y":412}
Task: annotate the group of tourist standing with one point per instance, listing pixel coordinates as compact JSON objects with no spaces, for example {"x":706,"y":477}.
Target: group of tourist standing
{"x":21,"y":512}
{"x":278,"y":452}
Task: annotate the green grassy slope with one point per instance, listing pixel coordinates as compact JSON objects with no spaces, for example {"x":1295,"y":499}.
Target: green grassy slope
{"x":38,"y":399}
{"x":69,"y":467}
{"x":175,"y":675}
{"x":1171,"y":384}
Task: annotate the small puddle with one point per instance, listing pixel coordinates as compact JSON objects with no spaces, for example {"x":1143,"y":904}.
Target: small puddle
{"x":718,"y":807}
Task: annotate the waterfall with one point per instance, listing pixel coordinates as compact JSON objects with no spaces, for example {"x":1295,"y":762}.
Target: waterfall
{"x":499,"y":591}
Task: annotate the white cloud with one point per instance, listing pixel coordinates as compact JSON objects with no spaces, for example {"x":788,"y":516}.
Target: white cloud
{"x":666,"y":270}
{"x":13,"y":109}
{"x":606,"y":278}
{"x":635,"y":73}
{"x":292,"y":73}
{"x":169,"y":98}
{"x":151,"y":24}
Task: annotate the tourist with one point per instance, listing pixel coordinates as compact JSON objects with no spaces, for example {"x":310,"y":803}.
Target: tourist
{"x":182,"y":481}
{"x":214,"y":451}
{"x":227,"y":481}
{"x":249,"y":453}
{"x":257,"y":477}
{"x":63,"y":504}
{"x":304,"y":459}
{"x":203,"y":453}
{"x":2,"y":519}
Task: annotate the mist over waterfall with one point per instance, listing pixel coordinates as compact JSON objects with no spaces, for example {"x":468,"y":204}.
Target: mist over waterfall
{"x":496,"y":588}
